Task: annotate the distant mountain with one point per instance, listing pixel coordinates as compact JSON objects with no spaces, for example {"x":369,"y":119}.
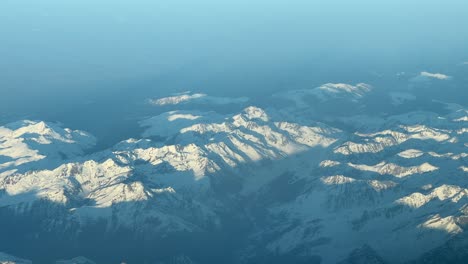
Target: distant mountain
{"x":77,"y":260}
{"x":197,"y":98}
{"x":8,"y":259}
{"x":303,"y":98}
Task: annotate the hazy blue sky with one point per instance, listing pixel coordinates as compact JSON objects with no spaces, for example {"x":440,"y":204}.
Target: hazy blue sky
{"x":56,"y":52}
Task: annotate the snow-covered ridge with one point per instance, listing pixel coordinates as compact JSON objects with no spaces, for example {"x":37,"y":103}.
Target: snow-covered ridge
{"x":326,"y":92}
{"x":171,"y":123}
{"x":394,"y":169}
{"x":248,"y":136}
{"x":177,"y":99}
{"x":199,"y":98}
{"x":438,"y":76}
{"x":142,"y":172}
{"x":341,"y":89}
{"x":444,"y":192}
{"x":414,"y":153}
{"x":353,"y":197}
{"x":377,"y":142}
{"x":25,"y":142}
{"x":338,"y":179}
{"x":425,"y":77}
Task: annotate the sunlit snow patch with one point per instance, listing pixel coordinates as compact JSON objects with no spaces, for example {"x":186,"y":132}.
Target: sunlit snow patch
{"x":427,"y":76}
{"x":199,"y":98}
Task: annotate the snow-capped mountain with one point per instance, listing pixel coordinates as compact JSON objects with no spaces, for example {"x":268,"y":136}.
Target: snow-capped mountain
{"x":196,"y":98}
{"x":304,"y":98}
{"x":280,"y":184}
{"x":27,"y":145}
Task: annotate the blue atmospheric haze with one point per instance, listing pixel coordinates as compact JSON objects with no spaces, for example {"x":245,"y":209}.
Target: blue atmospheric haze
{"x":84,"y":61}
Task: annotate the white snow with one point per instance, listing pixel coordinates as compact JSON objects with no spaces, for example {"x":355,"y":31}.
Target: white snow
{"x":438,"y":76}
{"x":411,"y":154}
{"x":338,"y":179}
{"x":32,"y":141}
{"x":329,"y":163}
{"x":447,"y":224}
{"x":171,"y":123}
{"x":198,"y":98}
{"x":394,"y":169}
{"x":177,"y":99}
{"x":326,"y":92}
{"x":425,"y":77}
{"x":444,"y":192}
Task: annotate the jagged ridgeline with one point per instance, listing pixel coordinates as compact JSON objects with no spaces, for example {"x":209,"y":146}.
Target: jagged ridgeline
{"x":293,"y":183}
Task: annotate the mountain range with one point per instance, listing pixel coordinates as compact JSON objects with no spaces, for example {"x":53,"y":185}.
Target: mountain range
{"x":318,"y":175}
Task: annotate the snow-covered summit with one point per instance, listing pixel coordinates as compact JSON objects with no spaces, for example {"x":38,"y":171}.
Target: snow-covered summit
{"x":335,"y":90}
{"x":177,"y":99}
{"x":302,"y":98}
{"x":196,"y":98}
{"x":27,"y":142}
